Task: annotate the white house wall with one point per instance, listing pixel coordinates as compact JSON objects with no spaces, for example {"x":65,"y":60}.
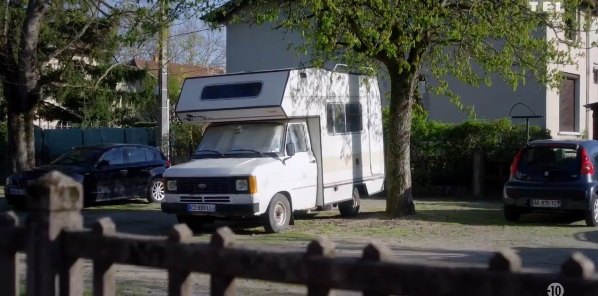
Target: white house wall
{"x":586,"y":90}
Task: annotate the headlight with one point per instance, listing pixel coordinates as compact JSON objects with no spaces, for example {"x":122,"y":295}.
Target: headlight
{"x":171,"y":185}
{"x":242,"y":185}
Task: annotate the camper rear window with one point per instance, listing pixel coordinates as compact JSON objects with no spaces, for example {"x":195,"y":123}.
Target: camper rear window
{"x":343,"y":118}
{"x":230,"y":91}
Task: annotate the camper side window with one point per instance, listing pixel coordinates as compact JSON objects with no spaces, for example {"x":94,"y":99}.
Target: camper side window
{"x":343,"y":118}
{"x":296,"y":135}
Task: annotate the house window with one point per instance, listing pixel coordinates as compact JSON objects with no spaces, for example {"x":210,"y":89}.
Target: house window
{"x":567,"y":106}
{"x":344,"y":118}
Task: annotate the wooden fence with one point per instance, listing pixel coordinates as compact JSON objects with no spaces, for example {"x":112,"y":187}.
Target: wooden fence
{"x":54,"y":241}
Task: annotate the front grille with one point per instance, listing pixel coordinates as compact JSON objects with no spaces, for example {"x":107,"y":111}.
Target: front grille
{"x":205,"y":185}
{"x":206,"y":199}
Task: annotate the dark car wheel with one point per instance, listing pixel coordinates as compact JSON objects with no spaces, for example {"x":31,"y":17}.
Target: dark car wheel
{"x":278,"y":215}
{"x":350,"y":208}
{"x":155,"y":191}
{"x":512,"y":214}
{"x":592,"y":213}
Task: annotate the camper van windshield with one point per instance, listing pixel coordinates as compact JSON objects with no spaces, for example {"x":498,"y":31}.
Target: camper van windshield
{"x":241,"y":139}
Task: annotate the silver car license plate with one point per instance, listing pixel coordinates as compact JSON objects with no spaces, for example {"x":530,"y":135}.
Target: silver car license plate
{"x":201,"y":208}
{"x":543,"y":203}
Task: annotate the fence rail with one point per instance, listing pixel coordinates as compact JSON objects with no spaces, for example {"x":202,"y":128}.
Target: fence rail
{"x":54,"y":241}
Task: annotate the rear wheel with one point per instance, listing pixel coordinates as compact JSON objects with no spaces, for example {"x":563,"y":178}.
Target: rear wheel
{"x":512,"y":214}
{"x":155,"y":191}
{"x":278,"y":215}
{"x":350,"y":208}
{"x":592,"y":213}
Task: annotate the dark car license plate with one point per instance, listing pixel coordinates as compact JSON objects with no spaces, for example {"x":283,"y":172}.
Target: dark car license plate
{"x":544,"y":203}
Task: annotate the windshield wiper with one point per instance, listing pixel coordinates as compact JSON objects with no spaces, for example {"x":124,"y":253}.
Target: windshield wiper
{"x":248,"y":150}
{"x":209,"y":150}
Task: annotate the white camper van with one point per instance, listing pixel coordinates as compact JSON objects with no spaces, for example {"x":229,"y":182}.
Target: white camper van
{"x":278,"y":142}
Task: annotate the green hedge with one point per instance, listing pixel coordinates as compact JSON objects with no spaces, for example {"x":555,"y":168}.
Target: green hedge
{"x":3,"y":151}
{"x":441,"y":153}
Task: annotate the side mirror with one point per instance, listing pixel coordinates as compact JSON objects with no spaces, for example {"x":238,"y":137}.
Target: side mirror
{"x":102,"y":164}
{"x":290,"y":148}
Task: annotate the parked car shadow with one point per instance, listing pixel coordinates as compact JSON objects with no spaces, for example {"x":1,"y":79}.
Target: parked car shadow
{"x":589,"y":236}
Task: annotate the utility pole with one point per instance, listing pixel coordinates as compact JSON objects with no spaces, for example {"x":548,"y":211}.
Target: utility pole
{"x":164,"y":127}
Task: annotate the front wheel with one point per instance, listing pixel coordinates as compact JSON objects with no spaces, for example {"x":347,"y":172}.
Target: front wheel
{"x":155,"y":191}
{"x":350,"y":208}
{"x":592,"y":213}
{"x":278,"y":215}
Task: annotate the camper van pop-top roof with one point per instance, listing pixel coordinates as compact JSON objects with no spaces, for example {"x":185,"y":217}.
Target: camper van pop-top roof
{"x":278,"y":94}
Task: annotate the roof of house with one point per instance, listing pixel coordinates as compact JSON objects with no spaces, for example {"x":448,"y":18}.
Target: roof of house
{"x":224,"y":13}
{"x":181,"y":70}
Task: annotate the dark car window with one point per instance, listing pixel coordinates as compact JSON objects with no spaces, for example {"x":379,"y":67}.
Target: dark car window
{"x":549,"y":164}
{"x":79,"y":156}
{"x":114,"y":156}
{"x":150,"y":155}
{"x":135,"y":155}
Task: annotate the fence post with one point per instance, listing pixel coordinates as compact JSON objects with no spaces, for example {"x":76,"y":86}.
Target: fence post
{"x":9,"y":271}
{"x":55,"y":203}
{"x":179,"y":280}
{"x":376,"y":252}
{"x":505,"y":261}
{"x":222,"y":284}
{"x":103,"y":272}
{"x":320,"y":247}
{"x":478,"y":173}
{"x":578,"y":266}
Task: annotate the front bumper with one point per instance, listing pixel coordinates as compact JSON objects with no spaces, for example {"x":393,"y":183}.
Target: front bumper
{"x":221,"y":210}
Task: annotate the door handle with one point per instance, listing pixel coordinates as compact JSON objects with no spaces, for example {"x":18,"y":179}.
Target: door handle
{"x":123,"y":172}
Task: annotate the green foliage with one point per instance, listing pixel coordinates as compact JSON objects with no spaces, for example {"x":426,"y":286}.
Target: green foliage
{"x":184,"y":141}
{"x":442,"y":152}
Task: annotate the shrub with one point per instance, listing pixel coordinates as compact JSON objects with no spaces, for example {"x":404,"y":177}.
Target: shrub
{"x":442,"y":153}
{"x":184,"y":141}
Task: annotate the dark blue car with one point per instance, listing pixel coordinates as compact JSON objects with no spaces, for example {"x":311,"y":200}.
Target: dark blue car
{"x":554,"y":176}
{"x":107,"y":172}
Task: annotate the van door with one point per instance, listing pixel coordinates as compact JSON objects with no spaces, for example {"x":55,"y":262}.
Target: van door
{"x":302,"y":168}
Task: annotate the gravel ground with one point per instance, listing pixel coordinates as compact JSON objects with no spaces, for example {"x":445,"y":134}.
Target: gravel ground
{"x":442,"y":232}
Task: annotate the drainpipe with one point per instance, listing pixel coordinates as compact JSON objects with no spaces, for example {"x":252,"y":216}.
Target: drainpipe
{"x":587,"y":45}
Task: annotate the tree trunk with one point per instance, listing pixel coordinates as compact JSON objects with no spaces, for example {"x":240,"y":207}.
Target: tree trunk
{"x":22,"y":91}
{"x":399,"y":197}
{"x":21,"y":145}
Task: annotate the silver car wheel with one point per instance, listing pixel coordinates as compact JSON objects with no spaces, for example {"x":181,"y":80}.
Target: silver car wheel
{"x":596,"y":209}
{"x":157,"y":190}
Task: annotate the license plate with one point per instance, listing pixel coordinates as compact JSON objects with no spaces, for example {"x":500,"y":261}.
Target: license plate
{"x":16,"y":191}
{"x":201,"y":208}
{"x":542,"y":203}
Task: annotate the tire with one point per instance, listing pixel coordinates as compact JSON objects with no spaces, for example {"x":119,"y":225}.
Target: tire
{"x":512,"y":214}
{"x":278,"y":215}
{"x":350,"y":208}
{"x":592,"y":213}
{"x":155,"y":190}
{"x":195,"y":223}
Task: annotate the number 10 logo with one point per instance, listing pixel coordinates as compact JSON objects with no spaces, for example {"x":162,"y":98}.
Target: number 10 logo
{"x":555,"y":289}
